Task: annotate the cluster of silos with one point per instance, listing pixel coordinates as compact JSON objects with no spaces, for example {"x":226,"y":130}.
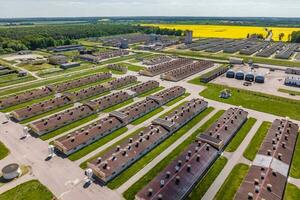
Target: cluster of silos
{"x":249,"y":76}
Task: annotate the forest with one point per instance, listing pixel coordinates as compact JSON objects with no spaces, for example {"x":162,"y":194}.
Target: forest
{"x":35,"y":37}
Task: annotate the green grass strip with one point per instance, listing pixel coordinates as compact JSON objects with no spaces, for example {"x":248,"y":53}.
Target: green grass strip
{"x":151,"y":91}
{"x":92,"y":147}
{"x":241,"y":134}
{"x":172,"y":110}
{"x":254,"y":100}
{"x":201,"y":188}
{"x":120,"y":105}
{"x":32,"y":190}
{"x":232,"y":182}
{"x":83,"y":165}
{"x":68,"y":127}
{"x":149,"y":115}
{"x":256,"y":141}
{"x":3,"y":151}
{"x":292,"y":192}
{"x":291,"y":92}
{"x":130,"y":193}
{"x":294,"y":171}
{"x":178,"y":99}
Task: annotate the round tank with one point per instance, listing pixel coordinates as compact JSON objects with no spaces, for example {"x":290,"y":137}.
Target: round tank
{"x":230,"y":74}
{"x":260,"y":78}
{"x":249,"y":77}
{"x":11,"y":171}
{"x":240,"y":75}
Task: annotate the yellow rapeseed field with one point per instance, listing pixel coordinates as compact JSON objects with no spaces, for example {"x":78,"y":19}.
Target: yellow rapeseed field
{"x":223,"y":31}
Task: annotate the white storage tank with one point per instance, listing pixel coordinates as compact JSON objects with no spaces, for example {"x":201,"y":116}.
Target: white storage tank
{"x":11,"y":171}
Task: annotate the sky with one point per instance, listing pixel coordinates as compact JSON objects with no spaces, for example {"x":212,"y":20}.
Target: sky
{"x":85,"y":8}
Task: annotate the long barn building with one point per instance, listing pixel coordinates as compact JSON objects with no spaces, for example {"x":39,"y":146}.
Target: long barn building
{"x":268,"y":174}
{"x":178,"y":179}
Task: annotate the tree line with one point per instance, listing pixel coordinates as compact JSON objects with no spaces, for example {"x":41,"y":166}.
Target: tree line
{"x":35,"y":37}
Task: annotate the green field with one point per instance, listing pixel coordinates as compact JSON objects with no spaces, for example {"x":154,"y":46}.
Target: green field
{"x":92,"y":147}
{"x":253,"y":100}
{"x":3,"y":151}
{"x":120,"y":105}
{"x":151,"y":91}
{"x":147,"y":116}
{"x":178,"y":99}
{"x":289,"y":91}
{"x":130,"y":192}
{"x":256,"y":141}
{"x":11,"y":79}
{"x":204,"y":184}
{"x":232,"y":182}
{"x":241,"y":134}
{"x":31,"y":190}
{"x":294,"y":171}
{"x":292,"y":192}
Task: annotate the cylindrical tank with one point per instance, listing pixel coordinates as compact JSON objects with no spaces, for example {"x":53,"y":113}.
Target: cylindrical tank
{"x":260,"y":78}
{"x":11,"y":171}
{"x":240,"y":75}
{"x":249,"y":77}
{"x":230,"y":74}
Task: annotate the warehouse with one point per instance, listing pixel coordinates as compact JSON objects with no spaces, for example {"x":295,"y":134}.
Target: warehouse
{"x":249,"y":77}
{"x":239,"y":75}
{"x":69,"y":65}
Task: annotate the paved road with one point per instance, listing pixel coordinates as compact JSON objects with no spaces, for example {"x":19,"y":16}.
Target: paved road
{"x":294,"y":181}
{"x":234,"y":159}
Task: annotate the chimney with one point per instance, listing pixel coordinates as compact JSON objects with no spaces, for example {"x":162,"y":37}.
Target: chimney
{"x":105,"y":165}
{"x":162,"y":183}
{"x":189,"y":167}
{"x":159,"y":197}
{"x":269,"y":186}
{"x":256,"y":181}
{"x":168,"y":174}
{"x":226,"y":127}
{"x":177,"y":180}
{"x":118,"y":148}
{"x":179,"y":163}
{"x":256,"y":189}
{"x":150,"y":191}
{"x":189,"y":153}
{"x":99,"y":159}
{"x":207,"y":147}
{"x":269,"y":152}
{"x":198,"y":158}
{"x":283,"y":145}
{"x":279,"y":156}
{"x":250,"y":195}
{"x":262,"y":175}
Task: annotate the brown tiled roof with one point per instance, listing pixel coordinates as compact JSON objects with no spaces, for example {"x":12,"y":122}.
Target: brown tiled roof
{"x":167,"y":66}
{"x":24,"y":97}
{"x":41,"y":107}
{"x":187,"y":70}
{"x":267,"y":176}
{"x":80,"y":82}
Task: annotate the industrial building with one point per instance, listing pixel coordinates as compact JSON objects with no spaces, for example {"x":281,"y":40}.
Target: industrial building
{"x":188,"y":37}
{"x":239,"y":75}
{"x":178,"y":179}
{"x":122,"y":156}
{"x":78,"y":139}
{"x":230,"y":74}
{"x":293,"y":81}
{"x":268,"y":174}
{"x":69,"y":65}
{"x":249,"y":77}
{"x":205,"y":78}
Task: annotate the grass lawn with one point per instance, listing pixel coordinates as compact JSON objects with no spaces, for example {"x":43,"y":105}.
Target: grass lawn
{"x":173,"y":109}
{"x":147,"y":116}
{"x":83,"y":165}
{"x":204,"y":184}
{"x":256,"y":141}
{"x":120,"y":105}
{"x":68,"y":127}
{"x":232,"y":182}
{"x":241,"y":134}
{"x":131,"y":191}
{"x":292,"y":192}
{"x":34,"y":68}
{"x":31,"y":190}
{"x":295,"y":170}
{"x":178,"y":99}
{"x":3,"y":151}
{"x":289,"y":91}
{"x":11,"y":79}
{"x":51,"y":112}
{"x":131,"y":67}
{"x":151,"y":91}
{"x":255,"y":100}
{"x":92,"y":147}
